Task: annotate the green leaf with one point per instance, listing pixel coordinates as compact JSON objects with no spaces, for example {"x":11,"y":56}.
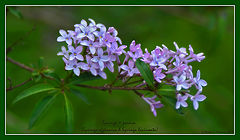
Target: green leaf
{"x":15,"y":12}
{"x":80,"y":95}
{"x":172,"y":101}
{"x":68,"y":114}
{"x":145,"y":72}
{"x":87,"y":76}
{"x":40,"y":109}
{"x":40,"y":62}
{"x":33,"y":90}
{"x":53,"y":76}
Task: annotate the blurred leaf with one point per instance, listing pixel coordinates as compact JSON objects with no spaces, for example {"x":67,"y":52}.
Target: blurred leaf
{"x":53,"y":76}
{"x":172,"y":101}
{"x":68,"y":114}
{"x":15,"y":12}
{"x":41,"y":107}
{"x":87,"y":76}
{"x":33,"y":90}
{"x":80,"y":95}
{"x":40,"y":62}
{"x":145,"y":72}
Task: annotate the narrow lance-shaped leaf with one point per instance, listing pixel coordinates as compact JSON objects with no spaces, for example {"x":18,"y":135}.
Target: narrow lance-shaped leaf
{"x":68,"y":114}
{"x":172,"y":101}
{"x":40,"y":109}
{"x":80,"y":95}
{"x":145,"y":72}
{"x":15,"y":11}
{"x":33,"y":90}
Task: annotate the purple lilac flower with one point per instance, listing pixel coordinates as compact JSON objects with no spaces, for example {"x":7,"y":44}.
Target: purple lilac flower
{"x":181,"y":51}
{"x":75,"y":53}
{"x":197,"y":98}
{"x":130,"y":68}
{"x":200,"y":82}
{"x":114,"y":33}
{"x":147,"y":58}
{"x":109,"y":64}
{"x":92,"y":45}
{"x":158,"y":59}
{"x":73,"y":65}
{"x":158,"y":75}
{"x":107,"y":40}
{"x":100,"y":58}
{"x":64,"y":52}
{"x":87,"y":31}
{"x":100,"y":34}
{"x":199,"y":57}
{"x":117,"y":50}
{"x":91,"y":66}
{"x":153,"y":104}
{"x":180,"y":82}
{"x":64,"y":37}
{"x":135,"y":51}
{"x":181,"y":101}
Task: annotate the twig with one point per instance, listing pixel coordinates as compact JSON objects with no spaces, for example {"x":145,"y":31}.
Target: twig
{"x":112,"y":88}
{"x":138,"y":93}
{"x":20,"y":39}
{"x":20,"y":64}
{"x":11,"y":87}
{"x":10,"y":82}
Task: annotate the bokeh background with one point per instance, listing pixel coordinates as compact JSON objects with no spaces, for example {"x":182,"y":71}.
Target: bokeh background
{"x":207,"y":29}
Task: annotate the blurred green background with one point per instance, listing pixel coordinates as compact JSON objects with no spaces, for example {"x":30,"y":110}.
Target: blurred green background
{"x":207,"y":29}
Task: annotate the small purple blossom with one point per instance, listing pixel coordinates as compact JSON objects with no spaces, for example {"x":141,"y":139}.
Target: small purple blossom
{"x":153,"y":104}
{"x":64,"y":52}
{"x":64,"y":37}
{"x":73,"y":65}
{"x":199,"y":82}
{"x":92,"y":45}
{"x":180,"y":82}
{"x":130,"y":69}
{"x":181,"y":101}
{"x":158,"y":75}
{"x":75,"y":53}
{"x":135,"y":51}
{"x":197,"y":98}
{"x":100,"y":58}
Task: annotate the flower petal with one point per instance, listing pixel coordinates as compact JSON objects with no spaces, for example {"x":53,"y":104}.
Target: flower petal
{"x":60,"y":39}
{"x":202,"y":82}
{"x":177,"y":105}
{"x":69,"y":41}
{"x":124,"y":67}
{"x":76,"y":71}
{"x":195,"y":104}
{"x":101,"y":64}
{"x":103,"y":74}
{"x":184,"y":104}
{"x":200,"y":98}
{"x":63,"y":33}
{"x":93,"y":71}
{"x":84,"y":23}
{"x":80,"y":57}
{"x":92,"y":49}
{"x":68,"y":67}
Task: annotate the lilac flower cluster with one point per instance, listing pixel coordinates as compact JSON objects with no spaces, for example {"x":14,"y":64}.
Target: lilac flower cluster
{"x":90,"y":47}
{"x":163,"y":62}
